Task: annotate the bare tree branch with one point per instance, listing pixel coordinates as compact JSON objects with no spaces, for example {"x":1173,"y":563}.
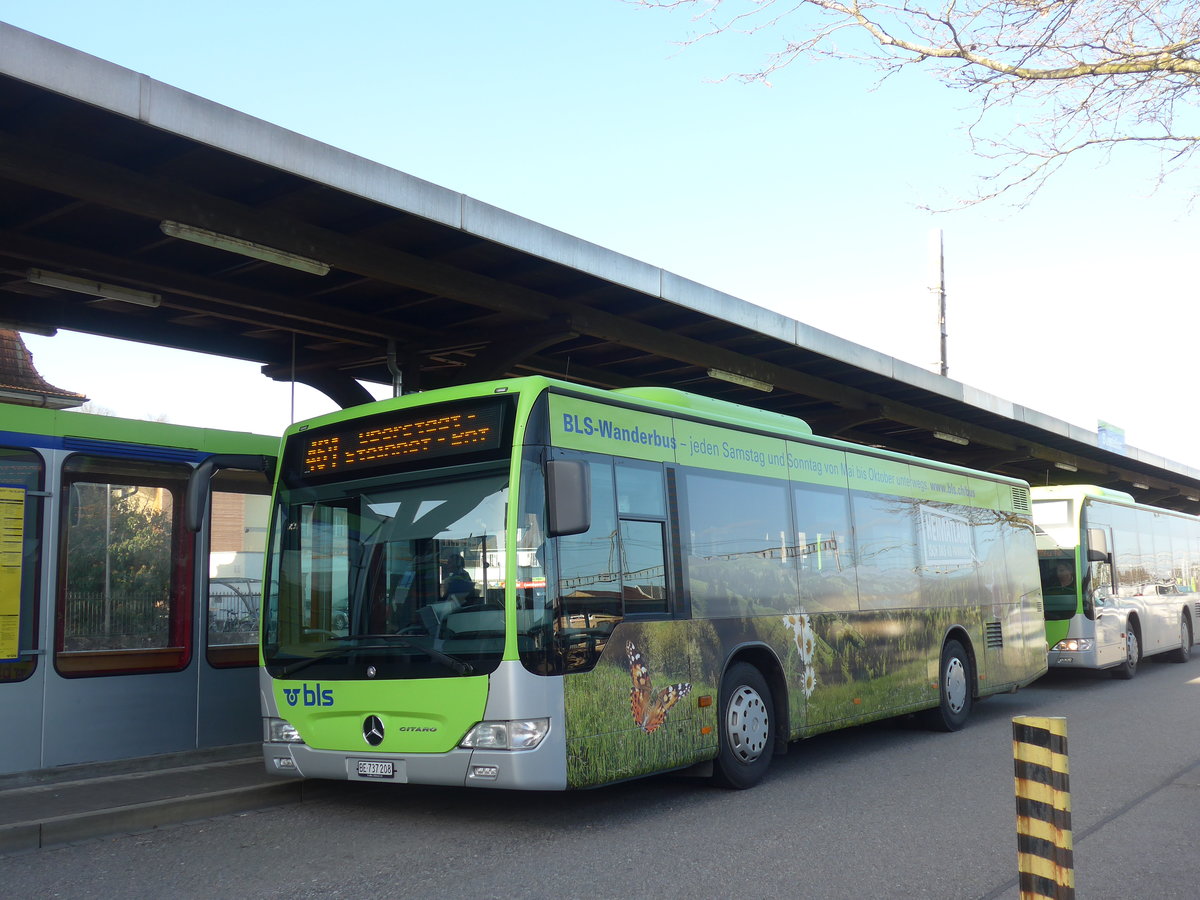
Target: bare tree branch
{"x":1086,"y":76}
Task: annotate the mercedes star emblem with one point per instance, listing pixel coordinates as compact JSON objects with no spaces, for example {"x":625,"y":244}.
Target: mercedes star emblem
{"x":373,"y":731}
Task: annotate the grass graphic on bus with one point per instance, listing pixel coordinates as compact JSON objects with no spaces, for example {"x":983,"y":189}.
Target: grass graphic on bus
{"x":637,"y":712}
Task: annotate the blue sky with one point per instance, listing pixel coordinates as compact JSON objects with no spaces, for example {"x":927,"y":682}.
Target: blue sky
{"x":804,"y":197}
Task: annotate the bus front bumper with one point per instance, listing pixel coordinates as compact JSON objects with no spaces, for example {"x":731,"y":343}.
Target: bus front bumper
{"x":514,"y":770}
{"x":1083,"y":658}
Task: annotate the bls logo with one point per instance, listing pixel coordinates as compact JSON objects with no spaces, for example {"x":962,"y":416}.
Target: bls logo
{"x":312,"y":696}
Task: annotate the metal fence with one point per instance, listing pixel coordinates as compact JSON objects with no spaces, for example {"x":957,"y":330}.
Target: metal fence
{"x":117,"y":621}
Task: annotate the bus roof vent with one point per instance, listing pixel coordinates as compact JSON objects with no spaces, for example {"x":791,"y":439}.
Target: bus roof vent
{"x":1020,"y":499}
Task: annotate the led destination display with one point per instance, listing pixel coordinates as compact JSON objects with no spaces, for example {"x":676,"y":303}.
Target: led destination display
{"x":401,"y":438}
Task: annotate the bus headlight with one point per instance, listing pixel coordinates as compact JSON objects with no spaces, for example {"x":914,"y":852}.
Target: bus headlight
{"x":1073,"y":645}
{"x":281,"y":731}
{"x":521,"y":734}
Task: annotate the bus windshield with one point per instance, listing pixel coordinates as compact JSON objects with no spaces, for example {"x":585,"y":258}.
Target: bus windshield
{"x":402,"y":580}
{"x":1059,"y":590}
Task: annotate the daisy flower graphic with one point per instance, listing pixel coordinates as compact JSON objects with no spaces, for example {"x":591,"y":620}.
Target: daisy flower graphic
{"x":806,"y":640}
{"x":801,"y":626}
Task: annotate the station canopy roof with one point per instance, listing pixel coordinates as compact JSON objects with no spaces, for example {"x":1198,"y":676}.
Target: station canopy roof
{"x":134,"y":210}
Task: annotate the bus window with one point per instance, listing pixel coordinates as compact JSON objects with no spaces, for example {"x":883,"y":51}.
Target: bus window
{"x":641,"y":492}
{"x":643,"y":568}
{"x":824,"y":548}
{"x":886,"y":530}
{"x":1163,"y":557}
{"x":1181,"y":552}
{"x":237,"y":537}
{"x":20,"y":473}
{"x":736,"y":542}
{"x":1133,"y":553}
{"x":126,"y":568}
{"x":640,"y":489}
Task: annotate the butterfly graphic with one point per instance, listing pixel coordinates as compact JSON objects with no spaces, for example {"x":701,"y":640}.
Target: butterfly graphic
{"x":649,"y":708}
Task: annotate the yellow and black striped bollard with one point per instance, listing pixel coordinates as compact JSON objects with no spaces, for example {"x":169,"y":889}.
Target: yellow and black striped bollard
{"x":1045,"y":856}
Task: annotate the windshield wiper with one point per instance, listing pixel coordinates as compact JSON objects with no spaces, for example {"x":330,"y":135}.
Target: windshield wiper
{"x":292,"y":668}
{"x":385,"y":642}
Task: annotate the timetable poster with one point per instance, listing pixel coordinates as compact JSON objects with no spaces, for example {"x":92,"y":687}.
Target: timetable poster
{"x":12,"y":534}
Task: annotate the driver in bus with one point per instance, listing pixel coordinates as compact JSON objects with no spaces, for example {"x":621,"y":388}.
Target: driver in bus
{"x":456,"y":583}
{"x":1065,"y":573}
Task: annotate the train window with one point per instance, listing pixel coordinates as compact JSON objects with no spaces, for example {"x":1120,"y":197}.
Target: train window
{"x":125,"y":568}
{"x":237,"y":539}
{"x":21,"y":473}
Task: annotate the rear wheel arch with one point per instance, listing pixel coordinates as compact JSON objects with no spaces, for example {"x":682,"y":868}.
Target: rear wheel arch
{"x":959,"y":633}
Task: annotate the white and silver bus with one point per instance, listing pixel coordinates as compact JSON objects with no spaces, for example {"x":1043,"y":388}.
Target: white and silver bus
{"x":1118,"y":578}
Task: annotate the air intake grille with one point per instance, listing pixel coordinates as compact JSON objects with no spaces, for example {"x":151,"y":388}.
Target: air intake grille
{"x":1020,"y":499}
{"x":994,"y":635}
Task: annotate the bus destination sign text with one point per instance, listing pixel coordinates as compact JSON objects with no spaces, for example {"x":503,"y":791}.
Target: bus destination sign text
{"x":450,"y":433}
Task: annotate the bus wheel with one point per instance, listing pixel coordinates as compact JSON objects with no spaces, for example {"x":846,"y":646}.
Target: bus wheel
{"x":1133,"y":655}
{"x":954,"y":690}
{"x":1184,"y":652}
{"x":746,"y":728}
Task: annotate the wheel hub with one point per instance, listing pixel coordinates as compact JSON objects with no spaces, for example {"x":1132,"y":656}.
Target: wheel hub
{"x":747,"y":724}
{"x":956,"y":685}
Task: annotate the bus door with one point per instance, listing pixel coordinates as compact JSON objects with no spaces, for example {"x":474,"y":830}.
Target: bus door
{"x":1100,"y":598}
{"x":625,"y":650}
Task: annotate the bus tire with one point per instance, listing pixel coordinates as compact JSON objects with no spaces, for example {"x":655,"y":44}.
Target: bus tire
{"x":746,"y":728}
{"x":954,"y":690}
{"x":1133,"y":654}
{"x":1184,"y":651}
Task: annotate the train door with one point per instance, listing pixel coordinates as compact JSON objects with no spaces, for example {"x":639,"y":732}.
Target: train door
{"x":121,"y":638}
{"x":230,"y":580}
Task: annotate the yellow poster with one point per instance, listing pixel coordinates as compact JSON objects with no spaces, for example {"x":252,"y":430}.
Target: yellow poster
{"x":12,"y":534}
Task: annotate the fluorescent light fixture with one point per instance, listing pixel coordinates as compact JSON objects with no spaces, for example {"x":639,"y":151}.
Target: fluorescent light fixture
{"x":1193,"y":499}
{"x":1066,"y":467}
{"x":243,"y":247}
{"x":1140,"y":486}
{"x":744,"y":380}
{"x":93,"y":288}
{"x":952,"y":438}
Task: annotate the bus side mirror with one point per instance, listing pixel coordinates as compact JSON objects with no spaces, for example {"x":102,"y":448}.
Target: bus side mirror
{"x":195,"y":507}
{"x":1097,"y":546}
{"x":568,"y":496}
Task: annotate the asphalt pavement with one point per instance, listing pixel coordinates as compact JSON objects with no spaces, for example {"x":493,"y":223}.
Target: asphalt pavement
{"x":1147,"y":839}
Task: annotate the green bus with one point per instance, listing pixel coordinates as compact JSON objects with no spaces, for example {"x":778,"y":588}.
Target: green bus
{"x":1119,"y":578}
{"x":533,"y":584}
